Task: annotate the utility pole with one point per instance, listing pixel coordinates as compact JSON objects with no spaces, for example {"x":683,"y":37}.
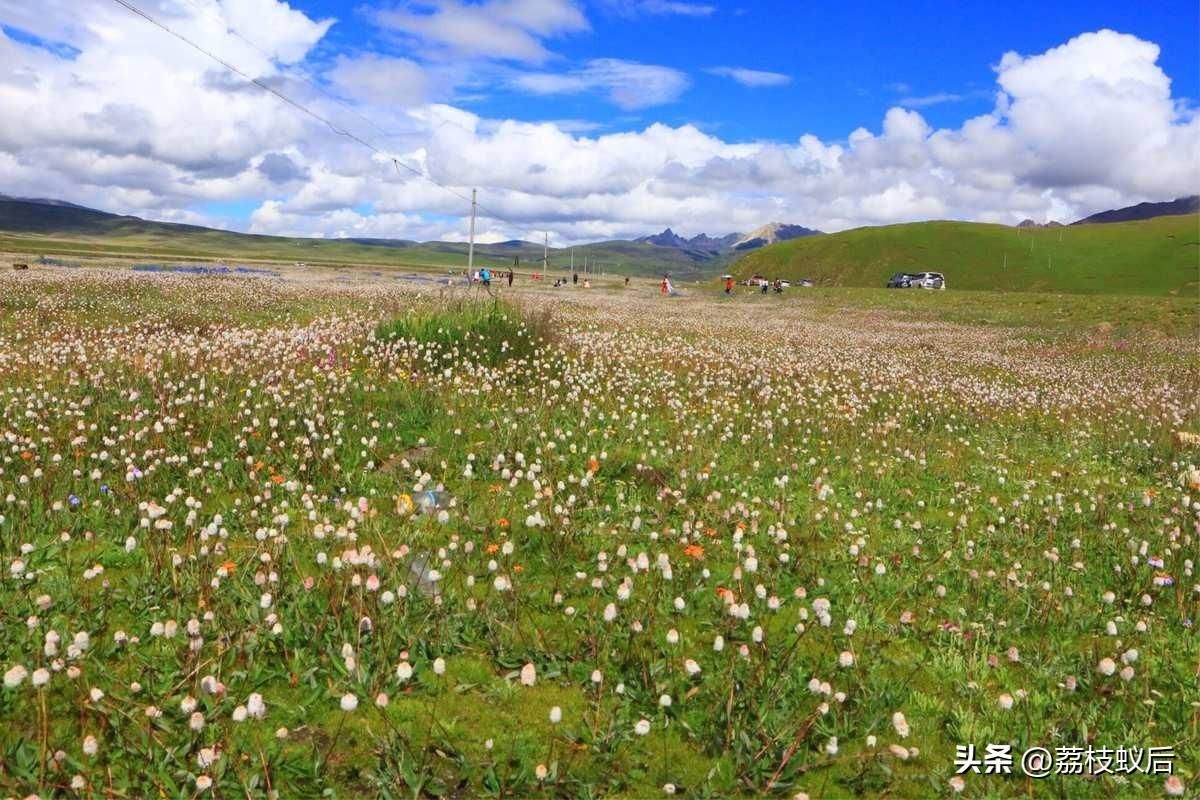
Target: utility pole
{"x":572,"y":259}
{"x":546,"y":253}
{"x":471,"y":240}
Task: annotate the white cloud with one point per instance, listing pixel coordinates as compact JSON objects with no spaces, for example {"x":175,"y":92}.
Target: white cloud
{"x":935,"y":99}
{"x":382,"y":80}
{"x":754,"y":78}
{"x":634,"y":8}
{"x":627,"y":84}
{"x":494,"y":29}
{"x":137,"y":123}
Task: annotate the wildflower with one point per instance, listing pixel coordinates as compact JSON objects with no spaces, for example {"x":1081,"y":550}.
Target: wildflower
{"x":90,"y":745}
{"x":555,"y":715}
{"x":845,"y":659}
{"x":349,"y":702}
{"x":528,"y":675}
{"x":404,"y":671}
{"x":40,"y":677}
{"x":642,"y":727}
{"x":900,"y":724}
{"x":957,"y":783}
{"x":541,"y":771}
{"x":1107,"y":666}
{"x":1173,"y":786}
{"x":439,"y":666}
{"x":15,"y":675}
{"x":1005,"y":701}
{"x":255,"y":706}
{"x":203,"y":782}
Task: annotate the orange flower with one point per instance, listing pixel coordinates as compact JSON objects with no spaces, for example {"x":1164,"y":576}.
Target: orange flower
{"x":258,"y":465}
{"x":502,"y":522}
{"x":276,"y":479}
{"x":492,"y":548}
{"x":229,"y":567}
{"x":694,"y":551}
{"x":710,"y":532}
{"x":593,"y":465}
{"x":495,"y":488}
{"x":26,"y":455}
{"x":518,"y":568}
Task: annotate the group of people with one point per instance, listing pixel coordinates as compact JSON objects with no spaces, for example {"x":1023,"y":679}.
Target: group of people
{"x":764,"y":284}
{"x":484,"y":276}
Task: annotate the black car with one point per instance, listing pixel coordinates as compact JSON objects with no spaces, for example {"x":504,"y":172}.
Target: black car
{"x":901,"y":280}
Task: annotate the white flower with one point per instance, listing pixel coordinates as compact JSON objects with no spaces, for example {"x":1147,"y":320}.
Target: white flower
{"x":1107,"y":666}
{"x":90,"y":745}
{"x":255,"y":706}
{"x":831,"y":747}
{"x":556,"y":715}
{"x":642,"y":727}
{"x":1005,"y":701}
{"x":15,"y":675}
{"x":349,"y":702}
{"x":692,"y":667}
{"x":901,"y":725}
{"x":439,"y":666}
{"x":404,"y":671}
{"x":41,"y":677}
{"x":845,"y":659}
{"x":528,"y":675}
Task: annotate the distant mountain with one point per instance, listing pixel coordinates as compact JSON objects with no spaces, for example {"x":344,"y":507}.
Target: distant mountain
{"x":40,"y":227}
{"x":1170,"y":208}
{"x":770,"y":233}
{"x":702,"y":241}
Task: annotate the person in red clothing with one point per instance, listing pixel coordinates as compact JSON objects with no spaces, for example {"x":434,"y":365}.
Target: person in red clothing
{"x":728,"y":284}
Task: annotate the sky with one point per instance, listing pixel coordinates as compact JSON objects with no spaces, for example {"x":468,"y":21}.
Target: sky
{"x":583,"y":120}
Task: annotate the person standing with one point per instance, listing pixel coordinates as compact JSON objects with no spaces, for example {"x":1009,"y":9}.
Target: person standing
{"x":627,"y":281}
{"x":510,"y":278}
{"x":728,"y":284}
{"x":575,"y":278}
{"x":485,"y":275}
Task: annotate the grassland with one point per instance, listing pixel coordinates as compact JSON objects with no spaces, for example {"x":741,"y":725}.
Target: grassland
{"x":1151,"y":257}
{"x":708,"y":547}
{"x":32,"y":229}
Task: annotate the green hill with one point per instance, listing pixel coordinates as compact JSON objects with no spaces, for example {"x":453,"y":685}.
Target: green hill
{"x":1154,"y":256}
{"x":41,"y":227}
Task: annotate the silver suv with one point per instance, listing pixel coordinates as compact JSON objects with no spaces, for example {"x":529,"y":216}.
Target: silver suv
{"x":928,"y":280}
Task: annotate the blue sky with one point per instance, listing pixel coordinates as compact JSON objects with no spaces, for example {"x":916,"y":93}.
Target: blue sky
{"x":847,"y":62}
{"x":594,"y":119}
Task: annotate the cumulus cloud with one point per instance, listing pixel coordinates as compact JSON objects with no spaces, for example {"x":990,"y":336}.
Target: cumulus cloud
{"x":124,"y":118}
{"x":627,"y":84}
{"x":753,"y":78}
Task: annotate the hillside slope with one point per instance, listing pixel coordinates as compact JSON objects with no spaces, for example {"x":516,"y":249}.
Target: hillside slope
{"x":1156,"y":256}
{"x":1180,"y":205}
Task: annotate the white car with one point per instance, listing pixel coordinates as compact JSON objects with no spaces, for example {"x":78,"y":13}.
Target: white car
{"x":928,"y":280}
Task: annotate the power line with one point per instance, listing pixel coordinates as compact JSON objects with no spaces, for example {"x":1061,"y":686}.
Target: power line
{"x":300,"y":106}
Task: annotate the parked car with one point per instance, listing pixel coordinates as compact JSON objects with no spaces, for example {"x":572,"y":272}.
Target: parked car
{"x":901,"y":280}
{"x":929,"y":280}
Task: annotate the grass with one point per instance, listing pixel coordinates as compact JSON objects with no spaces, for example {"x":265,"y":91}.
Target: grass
{"x":975,"y":514}
{"x":1151,"y":257}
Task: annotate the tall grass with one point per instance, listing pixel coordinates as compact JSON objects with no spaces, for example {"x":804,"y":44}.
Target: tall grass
{"x":488,"y":332}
